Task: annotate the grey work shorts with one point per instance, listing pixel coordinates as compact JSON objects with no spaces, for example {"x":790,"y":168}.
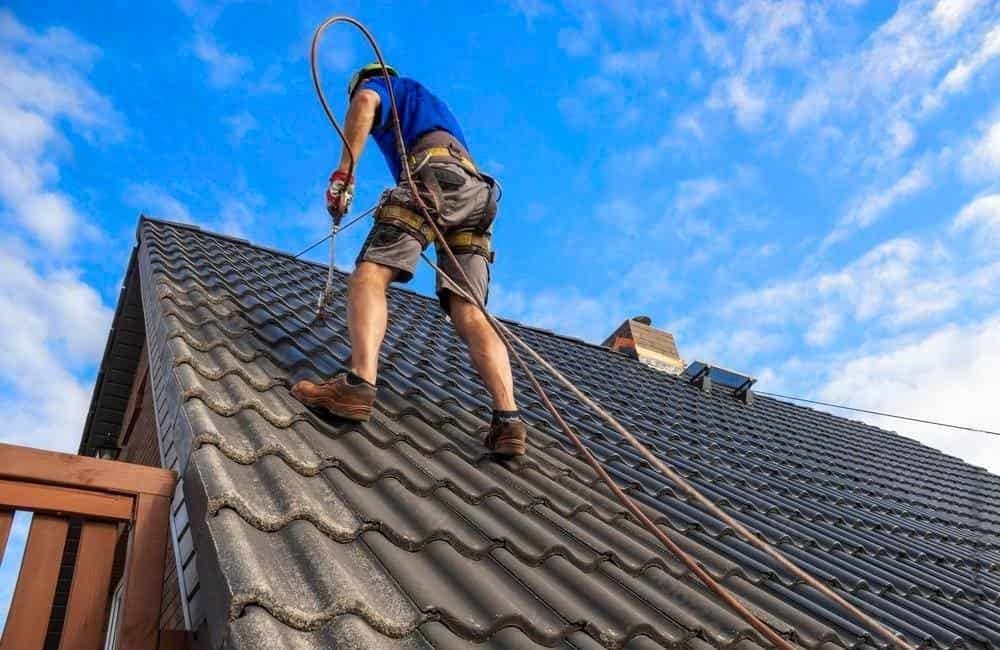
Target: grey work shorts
{"x":465,"y":202}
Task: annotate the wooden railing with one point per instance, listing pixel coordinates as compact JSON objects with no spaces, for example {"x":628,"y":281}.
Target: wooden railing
{"x":108,"y":497}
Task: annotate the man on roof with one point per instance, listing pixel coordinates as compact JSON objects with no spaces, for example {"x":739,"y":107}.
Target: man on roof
{"x":463,"y":202}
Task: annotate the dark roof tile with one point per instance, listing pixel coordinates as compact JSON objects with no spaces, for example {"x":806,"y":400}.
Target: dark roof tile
{"x":399,"y":533}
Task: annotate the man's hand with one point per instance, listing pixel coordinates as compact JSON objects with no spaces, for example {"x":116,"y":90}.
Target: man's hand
{"x":339,"y":194}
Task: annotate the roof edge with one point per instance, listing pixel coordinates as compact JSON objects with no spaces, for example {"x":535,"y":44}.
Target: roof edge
{"x":118,"y":363}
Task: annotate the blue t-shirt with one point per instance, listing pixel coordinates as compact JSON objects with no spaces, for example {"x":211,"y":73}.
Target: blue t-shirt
{"x":420,"y":112}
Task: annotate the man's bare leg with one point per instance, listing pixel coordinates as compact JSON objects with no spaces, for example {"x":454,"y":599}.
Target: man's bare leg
{"x":344,"y":395}
{"x":367,"y":316}
{"x":488,"y":353}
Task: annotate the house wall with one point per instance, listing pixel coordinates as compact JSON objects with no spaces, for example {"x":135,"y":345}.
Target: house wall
{"x":138,"y":442}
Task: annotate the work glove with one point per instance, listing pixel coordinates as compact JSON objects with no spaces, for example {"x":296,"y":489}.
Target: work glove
{"x":339,"y":194}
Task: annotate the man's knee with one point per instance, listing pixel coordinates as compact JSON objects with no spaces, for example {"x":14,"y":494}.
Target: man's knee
{"x":369,"y":275}
{"x":467,"y":317}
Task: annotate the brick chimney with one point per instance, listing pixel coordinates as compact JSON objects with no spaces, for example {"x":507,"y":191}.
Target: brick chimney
{"x":655,"y":347}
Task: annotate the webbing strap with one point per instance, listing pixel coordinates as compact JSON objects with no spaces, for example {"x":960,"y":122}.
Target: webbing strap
{"x":461,"y":241}
{"x":468,"y":238}
{"x":442,"y":152}
{"x":470,"y":241}
{"x":408,"y":220}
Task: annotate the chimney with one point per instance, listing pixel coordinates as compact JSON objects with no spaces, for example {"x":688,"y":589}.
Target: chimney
{"x":638,"y":338}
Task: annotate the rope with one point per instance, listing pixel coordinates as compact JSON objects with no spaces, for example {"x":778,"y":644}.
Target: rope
{"x":885,"y":415}
{"x":507,"y":336}
{"x":327,"y":293}
{"x":342,"y":229}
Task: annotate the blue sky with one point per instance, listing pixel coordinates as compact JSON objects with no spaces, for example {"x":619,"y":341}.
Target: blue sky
{"x":807,"y":192}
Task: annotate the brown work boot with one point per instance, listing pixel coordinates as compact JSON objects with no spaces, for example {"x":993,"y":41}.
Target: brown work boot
{"x":336,"y":395}
{"x":507,"y":438}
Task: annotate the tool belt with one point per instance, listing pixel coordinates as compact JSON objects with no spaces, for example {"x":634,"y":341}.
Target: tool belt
{"x":460,"y":241}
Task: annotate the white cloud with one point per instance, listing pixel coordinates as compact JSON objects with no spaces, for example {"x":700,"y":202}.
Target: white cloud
{"x":689,"y":123}
{"x":871,"y":207}
{"x":950,"y":14}
{"x":621,"y":212}
{"x":895,"y":73}
{"x":901,"y":138}
{"x":768,"y":249}
{"x":757,"y":34}
{"x":745,"y":41}
{"x":754,"y":39}
{"x":41,"y":84}
{"x":531,"y":9}
{"x":896,"y":286}
{"x":824,"y":328}
{"x":773,"y":33}
{"x":982,"y":215}
{"x":734,"y":93}
{"x":958,"y":77}
{"x":224,"y":68}
{"x":650,"y":279}
{"x":948,"y":375}
{"x":982,"y":159}
{"x":237,"y":216}
{"x":51,"y":323}
{"x":961,"y":74}
{"x":228,"y":69}
{"x":692,"y":194}
{"x":154,"y":201}
{"x":42,"y":72}
{"x":730,"y":347}
{"x":566,"y":310}
{"x":592,"y":317}
{"x":582,"y":40}
{"x":240,"y":125}
{"x":633,"y":63}
{"x":808,"y":109}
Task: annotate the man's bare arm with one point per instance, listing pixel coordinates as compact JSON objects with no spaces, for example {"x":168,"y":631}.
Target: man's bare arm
{"x":358,"y":124}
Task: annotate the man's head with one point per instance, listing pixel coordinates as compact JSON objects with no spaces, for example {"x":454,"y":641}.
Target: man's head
{"x":367,"y":72}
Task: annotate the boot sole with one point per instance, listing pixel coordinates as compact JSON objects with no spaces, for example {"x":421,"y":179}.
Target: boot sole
{"x":354,"y":413}
{"x":509,"y":449}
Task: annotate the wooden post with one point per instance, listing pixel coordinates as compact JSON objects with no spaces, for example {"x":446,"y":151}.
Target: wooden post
{"x":27,"y":621}
{"x":144,"y":570}
{"x":87,"y":609}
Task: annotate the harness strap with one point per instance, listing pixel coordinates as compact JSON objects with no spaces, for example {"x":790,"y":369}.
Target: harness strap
{"x":408,"y":220}
{"x":471,"y":242}
{"x":460,"y":241}
{"x":420,"y":159}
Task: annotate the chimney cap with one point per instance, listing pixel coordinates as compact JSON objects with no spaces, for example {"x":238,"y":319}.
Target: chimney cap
{"x":645,"y":320}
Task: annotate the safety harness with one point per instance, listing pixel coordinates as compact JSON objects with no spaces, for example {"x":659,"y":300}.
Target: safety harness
{"x":461,"y":240}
